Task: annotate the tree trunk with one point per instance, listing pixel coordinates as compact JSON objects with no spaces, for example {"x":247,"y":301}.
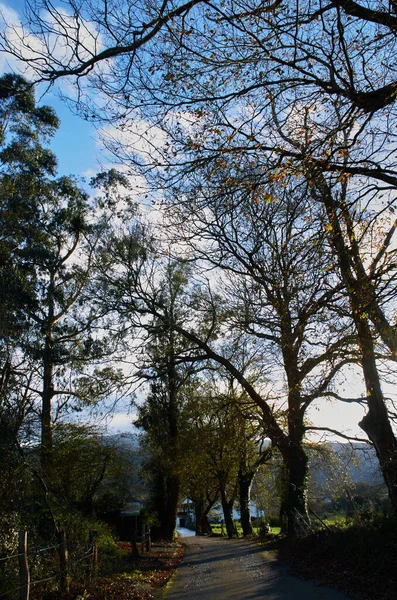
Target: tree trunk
{"x":46,"y":410}
{"x":245,"y":483}
{"x":376,"y":422}
{"x":202,"y":508}
{"x":166,"y":504}
{"x":199,"y":507}
{"x":168,"y":515}
{"x":227,"y":507}
{"x":205,"y":524}
{"x":173,"y":488}
{"x":294,"y":514}
{"x":294,"y":505}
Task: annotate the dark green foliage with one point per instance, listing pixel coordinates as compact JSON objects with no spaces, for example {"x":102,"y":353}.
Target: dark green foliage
{"x":263,"y":527}
{"x":25,"y":166}
{"x":159,"y":418}
{"x":18,"y":92}
{"x":359,"y":557}
{"x":90,"y":475}
{"x":50,"y":232}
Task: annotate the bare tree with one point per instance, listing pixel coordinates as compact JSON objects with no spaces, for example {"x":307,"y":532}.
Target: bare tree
{"x":281,"y":289}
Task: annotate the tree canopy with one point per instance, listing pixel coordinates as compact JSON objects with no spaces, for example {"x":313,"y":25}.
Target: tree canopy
{"x":268,"y":132}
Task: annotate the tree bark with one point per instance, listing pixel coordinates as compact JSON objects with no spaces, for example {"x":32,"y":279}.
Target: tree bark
{"x":24,"y":574}
{"x":199,"y":512}
{"x":227,"y":507}
{"x":173,"y":489}
{"x":376,"y":422}
{"x":245,"y":480}
{"x":294,"y":511}
{"x":46,"y":410}
{"x":173,"y":479}
{"x":205,"y":524}
{"x":202,"y":508}
{"x":293,"y":452}
{"x":168,"y":480}
{"x":166,"y":497}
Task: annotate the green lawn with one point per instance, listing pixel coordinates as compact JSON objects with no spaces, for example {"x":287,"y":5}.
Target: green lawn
{"x":217,"y":529}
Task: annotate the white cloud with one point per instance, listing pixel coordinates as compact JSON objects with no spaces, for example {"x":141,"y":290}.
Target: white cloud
{"x":138,"y":138}
{"x":63,"y":38}
{"x":122,"y":422}
{"x":10,"y":22}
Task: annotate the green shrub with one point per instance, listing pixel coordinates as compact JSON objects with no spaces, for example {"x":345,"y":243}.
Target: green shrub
{"x":274,"y":521}
{"x":263,"y":528}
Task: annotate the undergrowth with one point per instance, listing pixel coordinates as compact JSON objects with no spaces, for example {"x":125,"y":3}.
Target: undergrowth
{"x":126,"y":580}
{"x":358,"y":557}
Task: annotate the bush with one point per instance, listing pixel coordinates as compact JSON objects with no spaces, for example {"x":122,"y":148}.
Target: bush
{"x":274,"y":521}
{"x":263,"y":527}
{"x":365,"y":551}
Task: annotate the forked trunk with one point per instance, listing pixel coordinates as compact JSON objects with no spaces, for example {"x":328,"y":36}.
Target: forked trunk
{"x":202,"y":508}
{"x":227,"y":507}
{"x":376,"y":422}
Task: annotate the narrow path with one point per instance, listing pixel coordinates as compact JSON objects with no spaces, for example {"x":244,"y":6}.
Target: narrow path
{"x":184,"y":532}
{"x":219,"y":569}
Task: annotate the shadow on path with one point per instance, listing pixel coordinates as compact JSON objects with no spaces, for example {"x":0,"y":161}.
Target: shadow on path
{"x":219,"y":569}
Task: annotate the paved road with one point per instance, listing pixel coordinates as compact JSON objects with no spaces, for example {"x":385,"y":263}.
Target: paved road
{"x":219,"y":569}
{"x":184,"y":532}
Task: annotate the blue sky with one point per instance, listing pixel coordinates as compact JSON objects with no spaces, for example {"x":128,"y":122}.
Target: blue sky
{"x":74,"y":143}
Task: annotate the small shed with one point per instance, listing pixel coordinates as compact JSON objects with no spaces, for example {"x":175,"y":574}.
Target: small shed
{"x":129,"y":520}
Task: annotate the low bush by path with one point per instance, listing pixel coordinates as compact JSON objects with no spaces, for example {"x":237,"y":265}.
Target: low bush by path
{"x":359,"y":558}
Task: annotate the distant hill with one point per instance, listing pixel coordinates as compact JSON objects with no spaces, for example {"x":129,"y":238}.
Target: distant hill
{"x":358,"y":461}
{"x":130,"y":440}
{"x":345,"y":471}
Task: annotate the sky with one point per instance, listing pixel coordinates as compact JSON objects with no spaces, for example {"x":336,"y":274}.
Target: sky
{"x":75,"y":143}
{"x":78,"y":152}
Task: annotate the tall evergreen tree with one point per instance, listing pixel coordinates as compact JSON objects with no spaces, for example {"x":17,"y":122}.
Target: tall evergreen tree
{"x":50,"y":231}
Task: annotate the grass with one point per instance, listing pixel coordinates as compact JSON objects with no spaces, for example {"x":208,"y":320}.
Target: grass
{"x":218,"y":530}
{"x":336,"y":519}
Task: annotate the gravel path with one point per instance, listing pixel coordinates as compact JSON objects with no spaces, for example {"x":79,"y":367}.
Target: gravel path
{"x":219,"y":569}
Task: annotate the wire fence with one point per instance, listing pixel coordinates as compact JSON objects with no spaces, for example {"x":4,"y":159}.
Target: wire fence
{"x":32,"y":551}
{"x":58,"y":564}
{"x":59,"y":559}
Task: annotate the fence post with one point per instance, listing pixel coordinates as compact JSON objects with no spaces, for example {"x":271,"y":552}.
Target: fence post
{"x":134,"y":547}
{"x":148,"y":540}
{"x":94,"y":555}
{"x":143,"y":539}
{"x":63,"y":562}
{"x":24,"y":575}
